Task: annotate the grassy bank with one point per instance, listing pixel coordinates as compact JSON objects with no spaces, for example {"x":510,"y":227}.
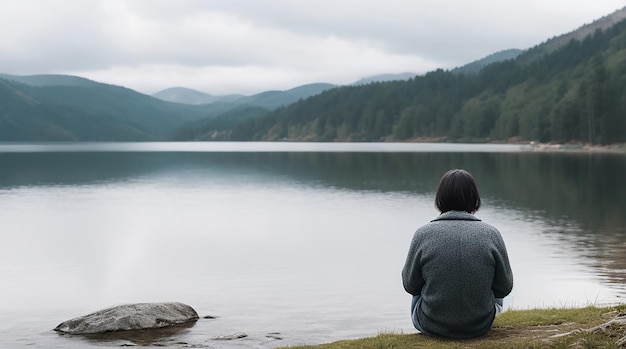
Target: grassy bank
{"x":587,"y":328}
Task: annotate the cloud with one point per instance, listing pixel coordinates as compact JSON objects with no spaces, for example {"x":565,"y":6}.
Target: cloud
{"x":224,"y":46}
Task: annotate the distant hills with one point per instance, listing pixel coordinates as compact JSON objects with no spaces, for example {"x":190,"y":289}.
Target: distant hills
{"x":580,"y":34}
{"x":224,"y":115}
{"x":571,"y":93}
{"x":275,"y":99}
{"x":70,"y":108}
{"x":548,"y":46}
{"x":65,"y":108}
{"x":268,"y":99}
{"x":50,"y":80}
{"x":189,"y":96}
{"x":567,"y":89}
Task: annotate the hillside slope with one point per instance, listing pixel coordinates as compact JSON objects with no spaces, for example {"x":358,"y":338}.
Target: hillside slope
{"x":573,"y":94}
{"x":223,"y":116}
{"x":476,"y":66}
{"x":53,"y":108}
{"x":557,"y":42}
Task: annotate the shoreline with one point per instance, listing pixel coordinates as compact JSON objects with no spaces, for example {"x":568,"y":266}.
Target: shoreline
{"x":614,"y":148}
{"x":588,"y":327}
{"x":619,"y":148}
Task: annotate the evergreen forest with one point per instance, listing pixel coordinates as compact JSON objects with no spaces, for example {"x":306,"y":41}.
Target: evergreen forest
{"x":576,"y":93}
{"x":571,"y":90}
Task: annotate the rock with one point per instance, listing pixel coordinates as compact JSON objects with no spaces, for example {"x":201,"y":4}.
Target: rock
{"x":274,"y":335}
{"x":229,"y":337}
{"x":130,"y":317}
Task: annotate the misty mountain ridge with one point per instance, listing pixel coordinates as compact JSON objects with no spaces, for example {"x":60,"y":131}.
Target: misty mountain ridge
{"x":546,"y":47}
{"x":49,"y":80}
{"x":215,"y":105}
{"x":66,"y":108}
{"x":191,"y":96}
{"x":268,"y":100}
{"x":52,"y":107}
{"x":579,"y":34}
{"x":275,"y":99}
{"x":185,"y":95}
{"x":571,"y":94}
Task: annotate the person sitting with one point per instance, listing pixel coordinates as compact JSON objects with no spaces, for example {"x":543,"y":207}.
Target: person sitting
{"x":457,"y":268}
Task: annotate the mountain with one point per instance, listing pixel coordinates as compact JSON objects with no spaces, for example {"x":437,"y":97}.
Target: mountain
{"x":568,"y":89}
{"x":579,"y":34}
{"x":476,"y":66}
{"x":223,"y":116}
{"x":50,"y":80}
{"x":189,"y":96}
{"x":268,"y":100}
{"x":548,"y":46}
{"x":384,"y":78}
{"x":275,"y":99}
{"x":218,"y":128}
{"x":66,"y":108}
{"x":574,"y":93}
{"x":70,"y":108}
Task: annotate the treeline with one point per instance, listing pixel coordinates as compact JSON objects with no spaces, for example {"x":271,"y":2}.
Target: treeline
{"x":575,"y":94}
{"x":217,"y":128}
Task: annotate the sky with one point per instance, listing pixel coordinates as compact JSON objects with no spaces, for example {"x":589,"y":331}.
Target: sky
{"x":249,"y":46}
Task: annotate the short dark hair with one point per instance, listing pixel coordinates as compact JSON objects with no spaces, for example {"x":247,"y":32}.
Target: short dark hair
{"x":457,"y":191}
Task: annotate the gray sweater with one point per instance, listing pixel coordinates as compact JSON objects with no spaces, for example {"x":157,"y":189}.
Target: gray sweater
{"x":458,"y":265}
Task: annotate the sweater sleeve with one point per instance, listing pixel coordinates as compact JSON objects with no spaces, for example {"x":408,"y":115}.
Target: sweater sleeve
{"x":412,"y":278}
{"x":503,"y":277}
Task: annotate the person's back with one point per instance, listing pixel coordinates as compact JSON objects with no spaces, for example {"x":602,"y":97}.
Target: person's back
{"x":456,"y":267}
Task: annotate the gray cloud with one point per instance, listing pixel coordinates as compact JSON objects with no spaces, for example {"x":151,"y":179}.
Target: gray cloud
{"x":224,"y":46}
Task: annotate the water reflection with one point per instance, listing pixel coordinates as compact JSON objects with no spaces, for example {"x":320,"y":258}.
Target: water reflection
{"x":160,"y":337}
{"x":569,"y":190}
{"x":104,"y":228}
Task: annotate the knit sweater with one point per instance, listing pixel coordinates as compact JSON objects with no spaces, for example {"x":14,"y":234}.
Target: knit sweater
{"x":458,"y":265}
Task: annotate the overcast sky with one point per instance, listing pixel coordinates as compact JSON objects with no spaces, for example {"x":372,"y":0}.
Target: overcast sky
{"x":249,"y":46}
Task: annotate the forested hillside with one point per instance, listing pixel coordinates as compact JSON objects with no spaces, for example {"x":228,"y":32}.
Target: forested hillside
{"x":559,"y":91}
{"x":576,"y":93}
{"x":70,"y":108}
{"x":63,"y":108}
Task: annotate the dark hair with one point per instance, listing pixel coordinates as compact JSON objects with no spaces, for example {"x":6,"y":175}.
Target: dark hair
{"x":457,"y":191}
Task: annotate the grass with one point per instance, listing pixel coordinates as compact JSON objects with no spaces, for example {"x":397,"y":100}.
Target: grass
{"x":570,"y":328}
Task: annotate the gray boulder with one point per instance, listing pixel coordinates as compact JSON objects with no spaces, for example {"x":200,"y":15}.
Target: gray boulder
{"x":130,"y":317}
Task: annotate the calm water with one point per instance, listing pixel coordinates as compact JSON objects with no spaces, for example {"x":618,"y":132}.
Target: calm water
{"x":307,"y":240}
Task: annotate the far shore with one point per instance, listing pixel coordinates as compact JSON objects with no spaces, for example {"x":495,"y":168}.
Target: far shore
{"x":582,"y":148}
{"x":616,"y":148}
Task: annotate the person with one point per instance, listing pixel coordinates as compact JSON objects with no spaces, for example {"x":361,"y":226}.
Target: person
{"x":457,"y":268}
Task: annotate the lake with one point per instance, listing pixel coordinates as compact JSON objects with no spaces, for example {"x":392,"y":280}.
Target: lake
{"x":302,"y":239}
